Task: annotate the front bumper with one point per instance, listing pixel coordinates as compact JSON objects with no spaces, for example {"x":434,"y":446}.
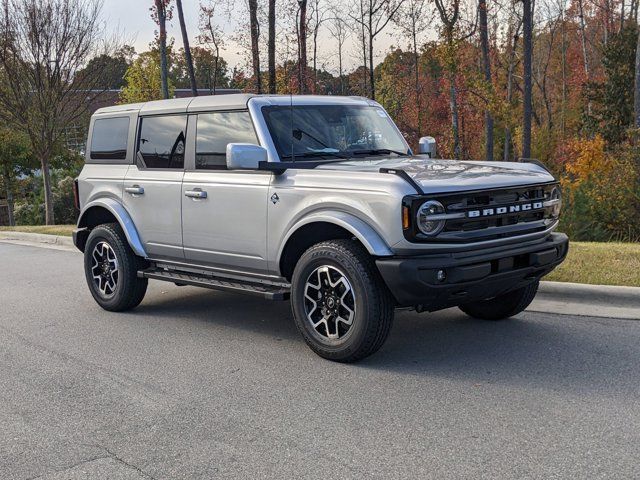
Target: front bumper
{"x":471,"y":275}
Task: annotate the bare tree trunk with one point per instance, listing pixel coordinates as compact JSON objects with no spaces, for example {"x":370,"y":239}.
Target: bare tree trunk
{"x":372,"y":86}
{"x":636,"y":96}
{"x":215,"y":71}
{"x":513,"y":35}
{"x":527,"y":54}
{"x":302,"y":63}
{"x":486,"y":60}
{"x":272,"y":46}
{"x":416,"y":79}
{"x":162,"y":24}
{"x":9,"y":195}
{"x":583,"y":44}
{"x":453,"y":104}
{"x":255,"y":46}
{"x":187,"y":50}
{"x":49,"y":218}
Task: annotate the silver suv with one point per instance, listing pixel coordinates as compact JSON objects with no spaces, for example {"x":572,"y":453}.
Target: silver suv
{"x":319,"y":200}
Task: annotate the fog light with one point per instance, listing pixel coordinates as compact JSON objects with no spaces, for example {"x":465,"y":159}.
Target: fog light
{"x":441,"y":276}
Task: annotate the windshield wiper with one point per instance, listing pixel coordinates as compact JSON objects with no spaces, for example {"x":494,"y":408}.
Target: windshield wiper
{"x":378,"y":151}
{"x":320,"y":154}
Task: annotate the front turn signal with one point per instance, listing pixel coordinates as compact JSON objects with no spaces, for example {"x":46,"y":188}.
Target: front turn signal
{"x":405,"y":217}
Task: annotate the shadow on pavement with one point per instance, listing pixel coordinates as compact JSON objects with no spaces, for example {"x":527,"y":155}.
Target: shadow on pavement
{"x":532,"y":349}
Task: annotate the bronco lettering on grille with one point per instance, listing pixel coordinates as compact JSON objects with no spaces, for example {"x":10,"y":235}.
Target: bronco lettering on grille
{"x":488,"y":212}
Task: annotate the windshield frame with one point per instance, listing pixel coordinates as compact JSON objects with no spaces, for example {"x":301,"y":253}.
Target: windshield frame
{"x":329,"y":156}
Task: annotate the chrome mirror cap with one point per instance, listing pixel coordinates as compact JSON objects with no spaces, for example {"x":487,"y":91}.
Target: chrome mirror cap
{"x":245,"y":156}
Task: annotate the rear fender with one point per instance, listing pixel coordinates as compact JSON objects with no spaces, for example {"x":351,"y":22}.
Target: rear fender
{"x":123,"y":218}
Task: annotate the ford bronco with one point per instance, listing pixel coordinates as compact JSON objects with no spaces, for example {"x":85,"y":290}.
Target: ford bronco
{"x":319,"y":200}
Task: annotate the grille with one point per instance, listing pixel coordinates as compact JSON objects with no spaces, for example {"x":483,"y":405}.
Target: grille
{"x":490,"y":214}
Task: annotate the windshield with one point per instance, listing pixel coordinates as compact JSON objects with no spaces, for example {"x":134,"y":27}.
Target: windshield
{"x":335,"y":131}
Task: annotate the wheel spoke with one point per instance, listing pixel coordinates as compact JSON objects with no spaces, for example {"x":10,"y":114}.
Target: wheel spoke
{"x":329,"y":302}
{"x":104,"y":268}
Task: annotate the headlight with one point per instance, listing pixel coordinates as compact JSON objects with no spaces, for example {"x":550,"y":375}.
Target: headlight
{"x":555,"y":200}
{"x":427,"y":217}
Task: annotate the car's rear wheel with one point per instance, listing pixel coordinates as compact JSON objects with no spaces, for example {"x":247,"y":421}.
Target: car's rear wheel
{"x":340,"y":304}
{"x":502,"y":306}
{"x":111,"y":269}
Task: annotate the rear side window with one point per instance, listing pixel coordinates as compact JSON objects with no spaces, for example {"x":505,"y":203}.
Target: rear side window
{"x":162,"y":140}
{"x":215,"y":131}
{"x":109,"y":138}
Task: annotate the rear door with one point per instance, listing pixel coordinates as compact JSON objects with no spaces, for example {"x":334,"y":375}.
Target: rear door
{"x":152,"y":187}
{"x":224,"y":212}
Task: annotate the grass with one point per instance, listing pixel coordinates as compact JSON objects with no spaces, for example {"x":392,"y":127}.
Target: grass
{"x":587,"y":262}
{"x":600,"y":264}
{"x":63,"y":230}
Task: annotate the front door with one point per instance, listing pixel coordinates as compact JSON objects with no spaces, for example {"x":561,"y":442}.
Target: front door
{"x":152,"y":187}
{"x":224,"y":212}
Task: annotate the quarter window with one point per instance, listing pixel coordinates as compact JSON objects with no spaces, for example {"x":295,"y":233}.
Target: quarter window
{"x":109,"y":138}
{"x":215,"y":131}
{"x":162,"y":141}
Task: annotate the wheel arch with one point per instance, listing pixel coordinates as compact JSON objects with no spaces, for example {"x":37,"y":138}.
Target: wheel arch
{"x":324,"y":226}
{"x":109,"y":210}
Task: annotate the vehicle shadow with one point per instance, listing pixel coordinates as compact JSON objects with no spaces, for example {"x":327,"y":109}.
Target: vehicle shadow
{"x":532,"y":349}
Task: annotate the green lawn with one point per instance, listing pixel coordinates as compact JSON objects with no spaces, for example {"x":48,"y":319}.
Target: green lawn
{"x":587,"y":262}
{"x":64,"y":230}
{"x":601,"y":264}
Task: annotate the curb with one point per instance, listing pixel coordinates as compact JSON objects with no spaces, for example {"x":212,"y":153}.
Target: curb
{"x":38,"y":240}
{"x":604,"y":301}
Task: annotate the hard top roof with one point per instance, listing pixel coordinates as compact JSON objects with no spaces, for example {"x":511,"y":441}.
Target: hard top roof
{"x":234,"y":101}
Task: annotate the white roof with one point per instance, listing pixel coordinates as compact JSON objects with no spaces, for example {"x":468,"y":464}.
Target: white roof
{"x":234,"y":101}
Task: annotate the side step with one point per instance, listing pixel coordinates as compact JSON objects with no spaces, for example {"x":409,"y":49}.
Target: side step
{"x":268,"y":291}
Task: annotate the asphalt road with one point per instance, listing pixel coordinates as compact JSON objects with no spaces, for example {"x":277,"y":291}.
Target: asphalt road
{"x":200,"y":384}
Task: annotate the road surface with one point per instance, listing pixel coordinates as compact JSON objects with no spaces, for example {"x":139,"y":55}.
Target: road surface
{"x":202,"y":384}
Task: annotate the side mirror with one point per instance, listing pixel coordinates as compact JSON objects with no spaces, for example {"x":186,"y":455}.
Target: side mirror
{"x":427,"y":146}
{"x":245,"y":156}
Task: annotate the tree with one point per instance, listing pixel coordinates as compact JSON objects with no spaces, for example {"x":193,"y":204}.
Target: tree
{"x":527,"y":28}
{"x":44,"y":90}
{"x":211,"y":35}
{"x":255,"y":45}
{"x":375,"y":17}
{"x":339,"y":30}
{"x":449,"y":16}
{"x":302,"y":46}
{"x":142,"y":80}
{"x":486,"y":64}
{"x":112,"y":68}
{"x":413,"y":19}
{"x":187,"y":50}
{"x":636,"y":90}
{"x":15,"y":160}
{"x":272,"y":46}
{"x":161,"y":12}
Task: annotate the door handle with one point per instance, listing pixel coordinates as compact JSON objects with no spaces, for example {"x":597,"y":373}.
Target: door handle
{"x":196,"y":193}
{"x":134,"y":190}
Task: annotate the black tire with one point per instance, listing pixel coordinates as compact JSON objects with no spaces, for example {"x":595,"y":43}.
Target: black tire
{"x":373,"y":305}
{"x":129,"y":290}
{"x":503,"y":306}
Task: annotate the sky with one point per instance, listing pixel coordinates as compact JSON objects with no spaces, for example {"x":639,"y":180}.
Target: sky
{"x":132,"y":20}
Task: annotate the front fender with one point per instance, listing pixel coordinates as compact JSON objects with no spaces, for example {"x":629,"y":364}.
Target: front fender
{"x":123,"y":218}
{"x":371,"y":240}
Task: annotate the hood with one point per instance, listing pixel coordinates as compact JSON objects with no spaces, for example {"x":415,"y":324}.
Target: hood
{"x":436,"y":175}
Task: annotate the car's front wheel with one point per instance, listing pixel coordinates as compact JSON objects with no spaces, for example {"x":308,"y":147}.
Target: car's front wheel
{"x":111,"y":269}
{"x":340,"y":304}
{"x":502,"y":306}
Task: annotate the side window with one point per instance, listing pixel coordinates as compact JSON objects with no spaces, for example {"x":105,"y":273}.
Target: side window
{"x":109,"y":138}
{"x":215,"y":131}
{"x":162,"y":141}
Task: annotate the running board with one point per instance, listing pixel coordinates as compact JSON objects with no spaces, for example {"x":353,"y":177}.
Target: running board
{"x":268,"y":291}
